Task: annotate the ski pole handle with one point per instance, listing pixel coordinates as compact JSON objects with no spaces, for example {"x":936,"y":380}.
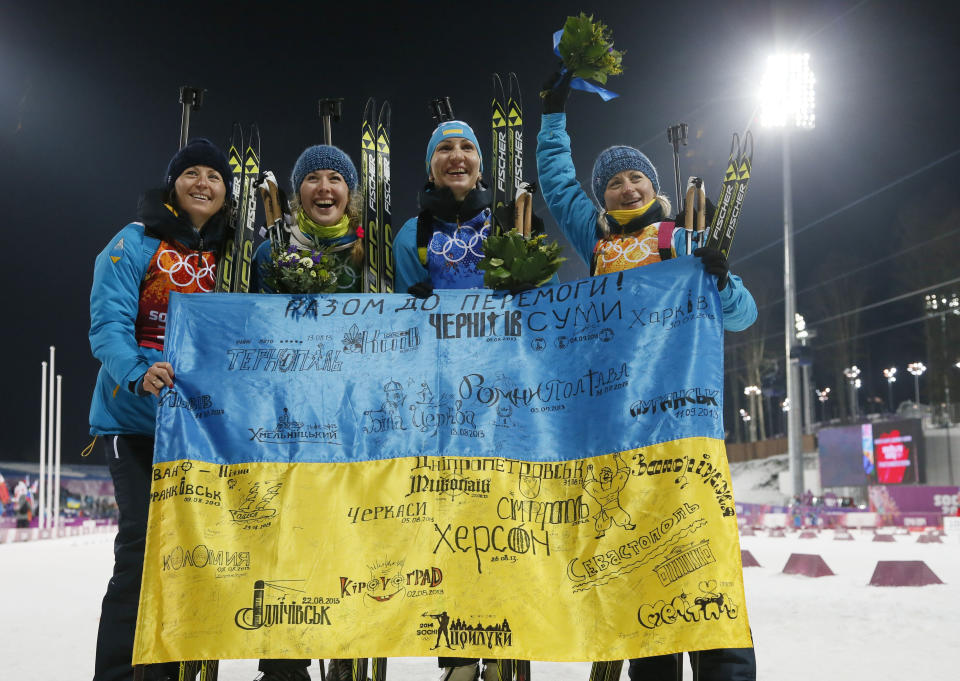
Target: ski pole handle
{"x":441,"y":109}
{"x":330,"y":109}
{"x":190,"y":98}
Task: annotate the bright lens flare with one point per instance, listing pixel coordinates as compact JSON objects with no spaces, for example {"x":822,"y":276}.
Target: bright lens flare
{"x":786,"y":92}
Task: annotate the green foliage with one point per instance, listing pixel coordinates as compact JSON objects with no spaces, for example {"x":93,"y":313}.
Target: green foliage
{"x":513,"y":263}
{"x":587,"y":49}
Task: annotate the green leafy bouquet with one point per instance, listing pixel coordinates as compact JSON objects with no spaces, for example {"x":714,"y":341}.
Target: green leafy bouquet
{"x":587,"y":49}
{"x":299,"y":270}
{"x":512,"y":263}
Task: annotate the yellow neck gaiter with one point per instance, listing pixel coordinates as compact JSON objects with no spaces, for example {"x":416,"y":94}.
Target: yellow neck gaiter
{"x":624,"y":216}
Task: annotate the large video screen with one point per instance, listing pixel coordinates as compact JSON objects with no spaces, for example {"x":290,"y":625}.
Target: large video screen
{"x":884,"y":452}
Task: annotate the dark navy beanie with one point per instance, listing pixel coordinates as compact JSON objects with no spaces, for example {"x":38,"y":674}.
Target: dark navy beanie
{"x":323,"y":157}
{"x":615,"y":160}
{"x":199,"y":152}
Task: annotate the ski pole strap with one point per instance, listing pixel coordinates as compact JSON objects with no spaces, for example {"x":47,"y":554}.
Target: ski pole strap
{"x":424,"y":234}
{"x":578,"y":83}
{"x":665,"y":239}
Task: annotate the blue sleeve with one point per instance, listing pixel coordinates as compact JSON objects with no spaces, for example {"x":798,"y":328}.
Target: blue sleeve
{"x":739,"y":307}
{"x":569,"y":205}
{"x":115,"y":303}
{"x":260,"y":259}
{"x":408,"y":269}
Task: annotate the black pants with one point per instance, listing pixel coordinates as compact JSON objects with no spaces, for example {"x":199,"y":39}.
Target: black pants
{"x":130,"y":459}
{"x":721,"y":664}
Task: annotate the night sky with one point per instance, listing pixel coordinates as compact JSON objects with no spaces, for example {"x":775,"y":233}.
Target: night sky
{"x":89,"y":117}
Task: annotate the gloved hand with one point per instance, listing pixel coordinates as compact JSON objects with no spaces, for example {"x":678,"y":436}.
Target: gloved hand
{"x":714,"y":263}
{"x":555,"y":91}
{"x":422,"y":289}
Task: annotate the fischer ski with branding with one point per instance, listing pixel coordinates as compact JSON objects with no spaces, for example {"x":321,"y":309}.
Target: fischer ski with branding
{"x":500,"y":187}
{"x":385,"y":273}
{"x":225,"y":264}
{"x":723,"y":227}
{"x":514,"y":135}
{"x":368,"y":189}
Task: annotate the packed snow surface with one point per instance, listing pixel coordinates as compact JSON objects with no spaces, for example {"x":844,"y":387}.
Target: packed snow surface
{"x":804,"y":628}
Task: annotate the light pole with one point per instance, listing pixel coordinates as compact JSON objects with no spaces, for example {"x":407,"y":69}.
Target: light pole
{"x":939,"y":306}
{"x":823,"y":396}
{"x":788,"y":103}
{"x":916,"y":369}
{"x":891,"y":376}
{"x":853,"y":378}
{"x":804,"y":336}
{"x":753,"y":392}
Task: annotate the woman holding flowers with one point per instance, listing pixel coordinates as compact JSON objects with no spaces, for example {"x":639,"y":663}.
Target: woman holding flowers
{"x":172,"y":247}
{"x":325,"y":249}
{"x":324,"y":255}
{"x":627,"y":226}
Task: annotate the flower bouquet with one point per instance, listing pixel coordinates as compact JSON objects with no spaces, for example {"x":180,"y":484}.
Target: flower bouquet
{"x":512,"y":263}
{"x":300,"y":270}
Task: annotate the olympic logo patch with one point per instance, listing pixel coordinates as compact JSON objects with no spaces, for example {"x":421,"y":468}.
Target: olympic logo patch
{"x":187,"y":272}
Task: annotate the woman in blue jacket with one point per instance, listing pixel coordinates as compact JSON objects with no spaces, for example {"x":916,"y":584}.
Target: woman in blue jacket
{"x":622,"y":229}
{"x":172,"y":247}
{"x":628,"y":227}
{"x":326,"y":210}
{"x":441,"y":247}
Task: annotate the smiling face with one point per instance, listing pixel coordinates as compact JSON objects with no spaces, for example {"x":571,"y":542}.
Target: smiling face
{"x":455,"y":164}
{"x":324,"y":196}
{"x":628,"y":190}
{"x":200,"y":193}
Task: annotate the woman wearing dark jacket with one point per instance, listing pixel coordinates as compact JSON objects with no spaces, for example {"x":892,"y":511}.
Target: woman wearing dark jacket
{"x":172,"y":247}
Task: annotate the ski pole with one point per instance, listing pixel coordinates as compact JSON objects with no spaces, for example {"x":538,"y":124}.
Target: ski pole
{"x":677,"y":135}
{"x":330,"y":109}
{"x":694,"y":216}
{"x":190,"y":98}
{"x":442,"y":109}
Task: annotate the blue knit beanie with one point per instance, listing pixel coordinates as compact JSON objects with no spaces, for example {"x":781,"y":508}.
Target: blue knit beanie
{"x":199,"y":152}
{"x":615,"y":160}
{"x":323,"y":157}
{"x":448,"y":130}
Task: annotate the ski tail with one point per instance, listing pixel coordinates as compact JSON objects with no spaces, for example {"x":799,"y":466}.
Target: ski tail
{"x":378,"y":669}
{"x":385,"y":273}
{"x":225,"y":265}
{"x":359,"y":669}
{"x":368,"y":192}
{"x":515,"y":138}
{"x":606,"y":671}
{"x":498,"y":157}
{"x":725,"y":202}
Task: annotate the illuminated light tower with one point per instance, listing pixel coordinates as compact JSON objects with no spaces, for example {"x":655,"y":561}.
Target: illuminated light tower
{"x":753,"y":392}
{"x":937,"y":305}
{"x":823,"y":396}
{"x":891,"y":376}
{"x":787,"y":102}
{"x":853,"y":378}
{"x":916,"y":369}
{"x":804,"y":336}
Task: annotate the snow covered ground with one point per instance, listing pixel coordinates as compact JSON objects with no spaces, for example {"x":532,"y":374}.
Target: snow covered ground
{"x":805,"y":628}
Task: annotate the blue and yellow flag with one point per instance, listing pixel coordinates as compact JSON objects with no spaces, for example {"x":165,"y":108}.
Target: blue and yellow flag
{"x":536,"y":477}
